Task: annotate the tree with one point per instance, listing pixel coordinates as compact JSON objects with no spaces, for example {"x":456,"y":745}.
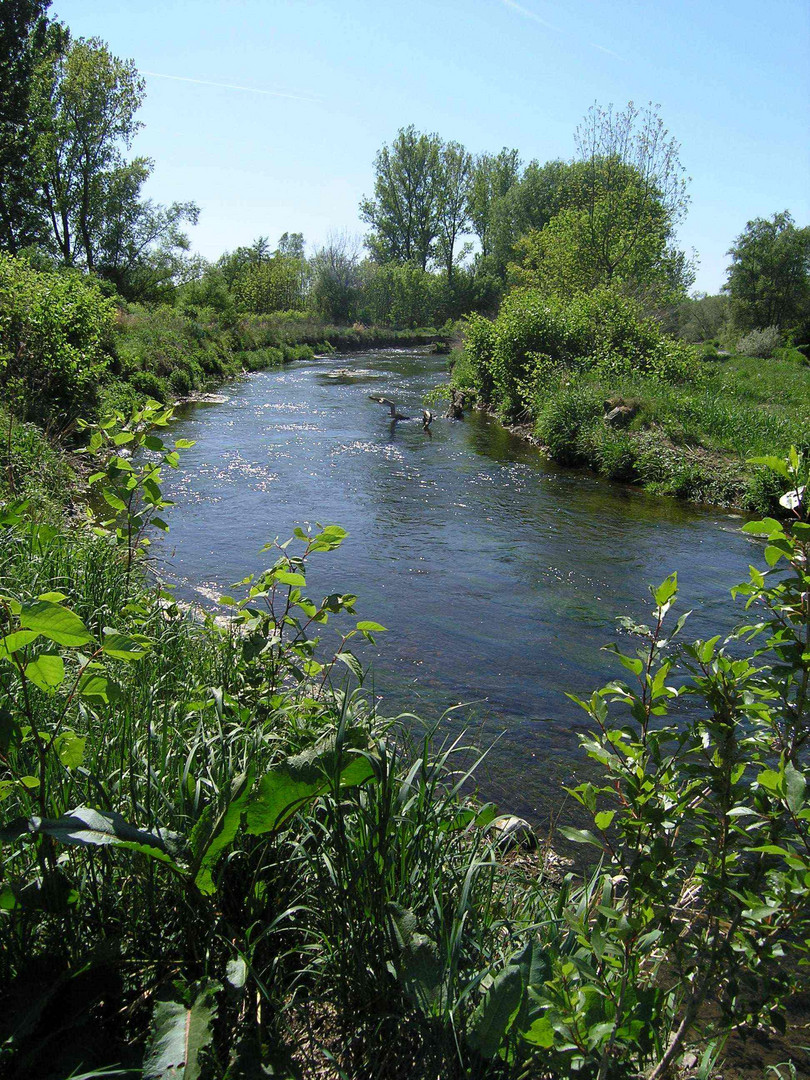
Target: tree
{"x":404,"y":213}
{"x":632,"y":193}
{"x":769,"y":277}
{"x":493,"y":176}
{"x":24,"y":35}
{"x":455,"y":177}
{"x":85,"y":100}
{"x":530,"y":203}
{"x":141,"y":244}
{"x":336,"y":277}
{"x":291,"y":244}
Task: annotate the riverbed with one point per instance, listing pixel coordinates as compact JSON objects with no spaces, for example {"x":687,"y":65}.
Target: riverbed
{"x":499,"y":575}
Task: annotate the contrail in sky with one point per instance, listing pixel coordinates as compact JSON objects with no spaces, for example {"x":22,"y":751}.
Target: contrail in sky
{"x":521,"y":10}
{"x":232,"y":86}
{"x":528,"y":14}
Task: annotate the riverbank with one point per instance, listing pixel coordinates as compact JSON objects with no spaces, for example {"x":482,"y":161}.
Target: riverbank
{"x":167,"y":354}
{"x":298,"y":879}
{"x":598,"y":386}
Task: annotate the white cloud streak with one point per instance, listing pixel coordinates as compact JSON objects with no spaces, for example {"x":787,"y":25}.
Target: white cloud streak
{"x":527,"y":13}
{"x":233,"y":86}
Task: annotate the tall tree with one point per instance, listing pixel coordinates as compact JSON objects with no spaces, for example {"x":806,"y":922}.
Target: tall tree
{"x":336,"y":277}
{"x":140,"y":244}
{"x":530,"y":203}
{"x":404,"y":213}
{"x":632,"y":185}
{"x":85,"y":102}
{"x":769,"y":277}
{"x":24,"y":30}
{"x":455,"y":179}
{"x":493,"y":176}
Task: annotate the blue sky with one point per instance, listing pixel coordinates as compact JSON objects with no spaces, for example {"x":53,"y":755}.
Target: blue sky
{"x":328,"y":82}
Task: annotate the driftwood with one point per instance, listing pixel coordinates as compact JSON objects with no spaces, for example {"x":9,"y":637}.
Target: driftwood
{"x":455,"y":410}
{"x":391,"y":405}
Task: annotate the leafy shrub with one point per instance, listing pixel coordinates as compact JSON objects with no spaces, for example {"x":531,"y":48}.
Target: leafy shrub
{"x":760,"y":342}
{"x":54,"y":341}
{"x":297,"y":352}
{"x":180,"y":382}
{"x":536,"y":336}
{"x":150,"y":385}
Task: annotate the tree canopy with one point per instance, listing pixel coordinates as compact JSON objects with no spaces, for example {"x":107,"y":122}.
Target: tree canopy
{"x":769,"y":277}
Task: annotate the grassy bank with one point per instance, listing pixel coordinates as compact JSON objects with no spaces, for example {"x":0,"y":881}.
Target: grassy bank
{"x":164,"y":352}
{"x":209,"y":829}
{"x":605,"y":389}
{"x":67,"y":350}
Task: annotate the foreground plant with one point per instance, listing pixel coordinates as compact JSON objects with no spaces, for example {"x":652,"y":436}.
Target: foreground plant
{"x":702,"y":822}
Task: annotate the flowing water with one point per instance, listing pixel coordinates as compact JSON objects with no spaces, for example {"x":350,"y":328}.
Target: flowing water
{"x":499,"y":575}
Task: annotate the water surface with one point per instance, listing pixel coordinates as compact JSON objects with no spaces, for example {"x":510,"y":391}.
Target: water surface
{"x":499,"y":575}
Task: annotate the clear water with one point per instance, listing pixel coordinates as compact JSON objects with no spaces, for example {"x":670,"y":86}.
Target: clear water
{"x":499,"y":575}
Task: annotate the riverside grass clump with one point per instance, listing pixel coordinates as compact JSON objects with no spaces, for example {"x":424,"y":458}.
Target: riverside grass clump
{"x":219,"y":861}
{"x":685,"y":426}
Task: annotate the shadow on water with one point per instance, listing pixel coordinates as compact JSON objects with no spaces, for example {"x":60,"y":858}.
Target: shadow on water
{"x":500,"y":575}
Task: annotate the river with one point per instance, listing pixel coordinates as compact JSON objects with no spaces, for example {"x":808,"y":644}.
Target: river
{"x":499,"y":574}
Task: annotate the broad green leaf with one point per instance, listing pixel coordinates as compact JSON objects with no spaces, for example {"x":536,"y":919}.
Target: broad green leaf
{"x":47,"y":671}
{"x":55,"y":622}
{"x":287,"y":577}
{"x":236,"y":973}
{"x":540,"y":1033}
{"x":85,"y":827}
{"x":184,"y":444}
{"x":222,"y":833}
{"x":493,"y":1017}
{"x":92,"y":684}
{"x":16,"y":640}
{"x":767,"y":527}
{"x":125,"y":646}
{"x":69,"y":748}
{"x":297,"y":780}
{"x":351,"y":662}
{"x":114,"y":501}
{"x":666,"y":590}
{"x":420,"y":971}
{"x":771,"y":462}
{"x":370,"y":627}
{"x":580,"y":836}
{"x":178,"y":1037}
{"x":795,"y":784}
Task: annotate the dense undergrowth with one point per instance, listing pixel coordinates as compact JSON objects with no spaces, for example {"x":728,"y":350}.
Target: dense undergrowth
{"x":67,"y":350}
{"x":604,"y":387}
{"x":216,"y":853}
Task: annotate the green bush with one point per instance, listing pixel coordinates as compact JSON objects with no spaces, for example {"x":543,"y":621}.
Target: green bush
{"x":565,"y":420}
{"x":55,"y":329}
{"x":149,"y":384}
{"x":761,"y":343}
{"x":180,"y":382}
{"x":536,"y":337}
